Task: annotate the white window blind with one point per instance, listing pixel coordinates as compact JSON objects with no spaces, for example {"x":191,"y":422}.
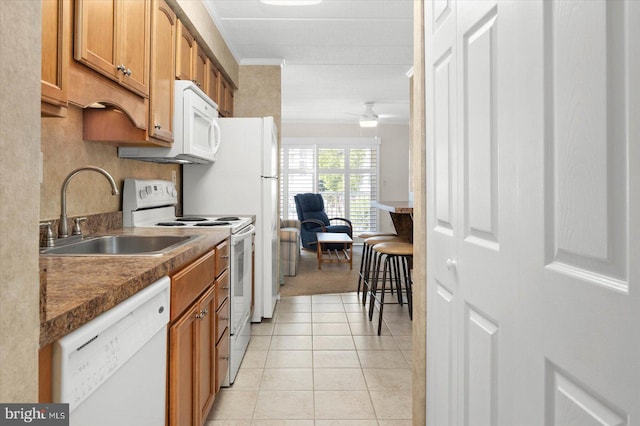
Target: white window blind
{"x":345,"y":174}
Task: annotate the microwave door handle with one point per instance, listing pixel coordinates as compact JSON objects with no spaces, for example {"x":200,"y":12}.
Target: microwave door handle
{"x":215,"y":128}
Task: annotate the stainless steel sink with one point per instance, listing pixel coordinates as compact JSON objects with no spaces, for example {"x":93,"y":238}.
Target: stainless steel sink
{"x":120,"y":245}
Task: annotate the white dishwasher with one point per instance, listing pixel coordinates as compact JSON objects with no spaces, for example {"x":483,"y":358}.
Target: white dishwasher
{"x":112,"y":370}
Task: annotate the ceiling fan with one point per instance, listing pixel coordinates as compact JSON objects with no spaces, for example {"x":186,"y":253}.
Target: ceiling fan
{"x":369,"y":118}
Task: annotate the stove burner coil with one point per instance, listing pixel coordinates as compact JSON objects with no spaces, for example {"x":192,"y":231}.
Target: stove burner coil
{"x":227,"y":218}
{"x":212,"y":224}
{"x":170,"y":224}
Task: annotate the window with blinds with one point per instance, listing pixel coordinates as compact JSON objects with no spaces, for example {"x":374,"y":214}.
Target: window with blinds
{"x":346,"y":176}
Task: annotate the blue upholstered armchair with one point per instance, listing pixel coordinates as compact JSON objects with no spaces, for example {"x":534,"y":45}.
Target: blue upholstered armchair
{"x":313,"y":219}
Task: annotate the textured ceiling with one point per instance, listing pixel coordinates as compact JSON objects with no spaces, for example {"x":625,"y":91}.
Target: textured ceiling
{"x":338,"y":54}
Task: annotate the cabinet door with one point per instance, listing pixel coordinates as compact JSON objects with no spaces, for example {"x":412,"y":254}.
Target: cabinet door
{"x":222,"y":88}
{"x":133,"y":23}
{"x":163,"y":27}
{"x":228,"y":101}
{"x":112,"y":37}
{"x":54,"y":52}
{"x":222,"y":257}
{"x":222,"y":319}
{"x":184,"y":51}
{"x":183,"y":367}
{"x":200,"y":67}
{"x":222,"y":359}
{"x":206,"y":376}
{"x":213,"y":76}
{"x":95,"y":38}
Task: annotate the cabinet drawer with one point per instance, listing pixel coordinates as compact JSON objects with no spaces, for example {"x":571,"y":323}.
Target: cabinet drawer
{"x":222,"y":319}
{"x":222,"y":359}
{"x":190,"y":282}
{"x":222,"y":257}
{"x":222,"y":288}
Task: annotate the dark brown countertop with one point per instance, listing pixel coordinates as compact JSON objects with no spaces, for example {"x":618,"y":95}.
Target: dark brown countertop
{"x":74,"y":290}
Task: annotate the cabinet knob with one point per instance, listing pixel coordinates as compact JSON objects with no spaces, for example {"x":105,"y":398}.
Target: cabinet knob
{"x":224,"y":358}
{"x":121,"y":67}
{"x":127,"y":72}
{"x":157,"y":126}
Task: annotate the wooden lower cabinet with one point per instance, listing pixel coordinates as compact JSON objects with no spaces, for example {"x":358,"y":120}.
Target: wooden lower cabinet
{"x":206,"y":378}
{"x":198,"y":346}
{"x":222,"y":359}
{"x":182,"y":369}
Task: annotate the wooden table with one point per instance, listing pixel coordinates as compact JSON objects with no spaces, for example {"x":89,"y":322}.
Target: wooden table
{"x":401,"y":213}
{"x":341,"y":256}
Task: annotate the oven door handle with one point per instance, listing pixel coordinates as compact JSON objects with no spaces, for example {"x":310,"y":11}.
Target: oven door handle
{"x":244,"y":233}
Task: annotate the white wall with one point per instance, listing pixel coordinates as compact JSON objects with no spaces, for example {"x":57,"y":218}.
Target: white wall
{"x":394,"y":159}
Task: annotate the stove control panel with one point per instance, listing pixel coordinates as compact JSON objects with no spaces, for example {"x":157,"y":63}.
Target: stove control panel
{"x":145,"y":193}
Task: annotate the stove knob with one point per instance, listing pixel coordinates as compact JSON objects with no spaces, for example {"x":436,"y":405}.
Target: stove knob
{"x":149,"y":189}
{"x":171,"y":190}
{"x":143,"y":194}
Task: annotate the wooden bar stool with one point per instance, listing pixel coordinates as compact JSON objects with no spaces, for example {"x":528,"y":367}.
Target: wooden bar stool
{"x":397,"y":258}
{"x":365,"y":262}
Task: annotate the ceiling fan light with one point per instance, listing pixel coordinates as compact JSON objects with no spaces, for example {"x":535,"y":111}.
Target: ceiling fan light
{"x":368,"y":122}
{"x":291,"y":2}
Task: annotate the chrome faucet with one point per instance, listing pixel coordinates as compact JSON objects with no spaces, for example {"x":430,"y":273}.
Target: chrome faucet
{"x":63,"y":228}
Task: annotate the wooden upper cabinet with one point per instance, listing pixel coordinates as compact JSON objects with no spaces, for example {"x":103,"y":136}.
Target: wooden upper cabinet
{"x":213,"y":77}
{"x":56,"y":21}
{"x":185,"y":51}
{"x":113,"y":37}
{"x":163,"y":30}
{"x":228,"y":101}
{"x":191,"y":61}
{"x":134,"y":44}
{"x":200,"y":68}
{"x":225,"y":95}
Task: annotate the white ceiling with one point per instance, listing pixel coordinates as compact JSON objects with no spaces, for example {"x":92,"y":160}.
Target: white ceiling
{"x":338,"y":54}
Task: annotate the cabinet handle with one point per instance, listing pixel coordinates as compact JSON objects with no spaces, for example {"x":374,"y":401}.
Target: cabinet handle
{"x":121,"y":67}
{"x":199,"y":315}
{"x":224,"y":358}
{"x":224,"y":318}
{"x":157,"y":126}
{"x":224,"y":256}
{"x":127,"y":72}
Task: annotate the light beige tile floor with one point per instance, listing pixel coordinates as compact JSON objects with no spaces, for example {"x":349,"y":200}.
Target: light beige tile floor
{"x":319,"y":361}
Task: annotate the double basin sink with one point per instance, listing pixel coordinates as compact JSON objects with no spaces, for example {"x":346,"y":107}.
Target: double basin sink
{"x":120,"y":245}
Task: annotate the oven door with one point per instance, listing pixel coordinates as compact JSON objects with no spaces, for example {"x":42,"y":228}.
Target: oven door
{"x":241,"y":276}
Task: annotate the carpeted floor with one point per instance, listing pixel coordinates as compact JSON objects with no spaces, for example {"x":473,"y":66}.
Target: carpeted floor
{"x":333,"y":278}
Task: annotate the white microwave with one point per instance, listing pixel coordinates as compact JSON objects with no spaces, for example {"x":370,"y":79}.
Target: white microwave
{"x":195,"y":129}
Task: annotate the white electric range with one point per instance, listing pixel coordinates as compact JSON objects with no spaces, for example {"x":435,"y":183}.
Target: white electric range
{"x":150,"y":203}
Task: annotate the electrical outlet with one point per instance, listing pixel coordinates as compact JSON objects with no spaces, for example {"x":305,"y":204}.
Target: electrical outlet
{"x":174,"y":177}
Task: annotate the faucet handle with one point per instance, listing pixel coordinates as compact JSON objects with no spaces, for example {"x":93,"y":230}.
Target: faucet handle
{"x":49,"y":241}
{"x":76,"y":225}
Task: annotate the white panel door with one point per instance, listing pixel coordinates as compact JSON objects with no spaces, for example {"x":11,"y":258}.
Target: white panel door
{"x":471,"y":221}
{"x":580,"y":217}
{"x":442,"y":192}
{"x":533,"y":294}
